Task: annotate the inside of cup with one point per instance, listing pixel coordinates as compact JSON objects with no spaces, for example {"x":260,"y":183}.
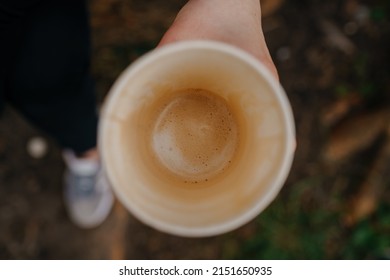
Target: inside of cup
{"x":254,"y":176}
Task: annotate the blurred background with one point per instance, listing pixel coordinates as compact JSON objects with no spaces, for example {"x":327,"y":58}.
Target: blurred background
{"x":333,"y":60}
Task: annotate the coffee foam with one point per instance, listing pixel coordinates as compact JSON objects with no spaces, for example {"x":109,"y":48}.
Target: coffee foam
{"x":194,"y":135}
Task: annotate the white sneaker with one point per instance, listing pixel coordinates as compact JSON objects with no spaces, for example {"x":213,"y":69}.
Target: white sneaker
{"x":87,"y":194}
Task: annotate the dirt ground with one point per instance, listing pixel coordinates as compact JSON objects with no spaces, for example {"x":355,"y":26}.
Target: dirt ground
{"x":333,"y":61}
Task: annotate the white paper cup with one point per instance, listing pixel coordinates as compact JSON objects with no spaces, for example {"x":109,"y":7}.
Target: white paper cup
{"x":256,"y":173}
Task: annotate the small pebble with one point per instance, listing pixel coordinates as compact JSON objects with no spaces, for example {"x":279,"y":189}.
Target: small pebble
{"x":37,"y":147}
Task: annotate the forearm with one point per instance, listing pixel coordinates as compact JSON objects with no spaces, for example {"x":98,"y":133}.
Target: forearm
{"x":231,"y":10}
{"x":207,"y":18}
{"x":236,"y":22}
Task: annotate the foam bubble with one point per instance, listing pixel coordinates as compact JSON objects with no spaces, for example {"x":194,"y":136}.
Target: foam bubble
{"x":195,"y":135}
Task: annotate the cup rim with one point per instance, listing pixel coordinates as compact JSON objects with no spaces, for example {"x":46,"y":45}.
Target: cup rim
{"x":288,"y":119}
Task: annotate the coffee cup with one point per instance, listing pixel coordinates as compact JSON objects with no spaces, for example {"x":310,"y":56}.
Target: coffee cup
{"x":196,"y":138}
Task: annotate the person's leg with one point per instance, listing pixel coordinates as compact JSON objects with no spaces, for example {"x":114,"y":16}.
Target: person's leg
{"x":49,"y":79}
{"x":1,"y":93}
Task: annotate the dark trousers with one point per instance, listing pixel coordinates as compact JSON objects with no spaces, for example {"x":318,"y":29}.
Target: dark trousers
{"x":44,"y":68}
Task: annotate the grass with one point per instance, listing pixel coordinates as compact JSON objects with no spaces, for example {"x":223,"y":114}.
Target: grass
{"x":304,"y":225}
